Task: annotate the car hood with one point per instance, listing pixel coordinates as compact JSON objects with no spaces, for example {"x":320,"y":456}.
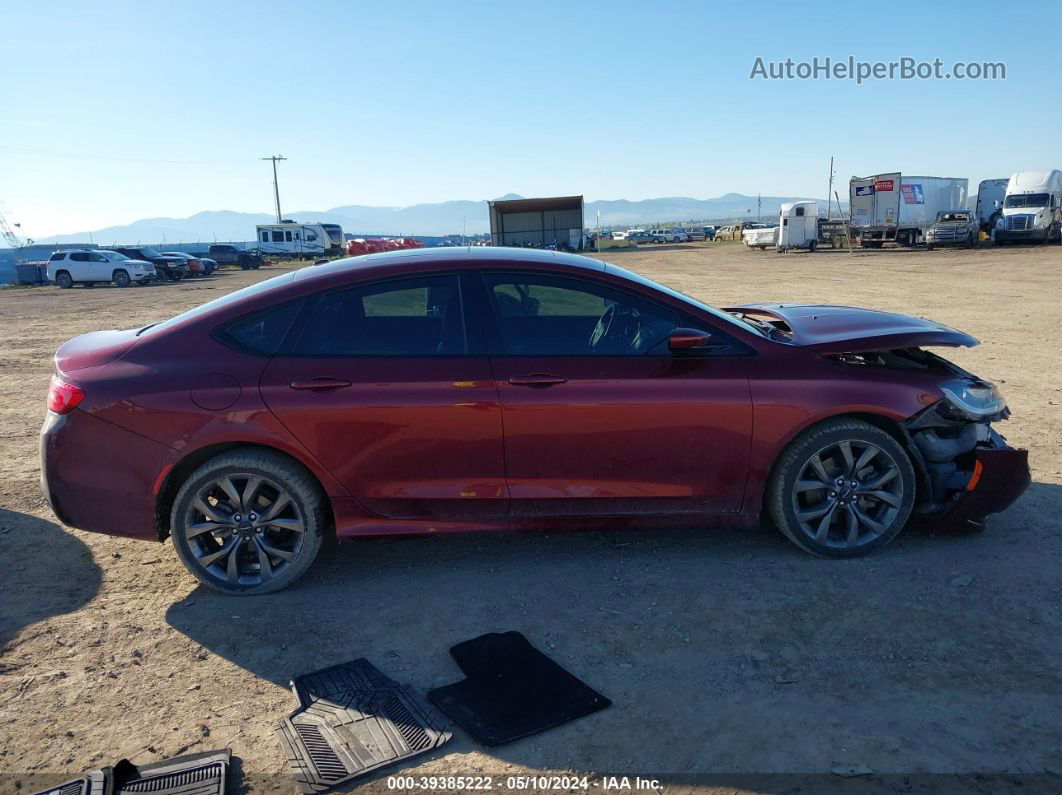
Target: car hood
{"x":848,"y":329}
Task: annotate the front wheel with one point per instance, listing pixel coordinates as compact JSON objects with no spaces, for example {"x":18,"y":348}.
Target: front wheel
{"x":248,"y":522}
{"x":842,"y":489}
{"x":121,"y":279}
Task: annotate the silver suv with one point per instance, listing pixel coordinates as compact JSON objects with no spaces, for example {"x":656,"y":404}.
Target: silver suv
{"x":88,"y":267}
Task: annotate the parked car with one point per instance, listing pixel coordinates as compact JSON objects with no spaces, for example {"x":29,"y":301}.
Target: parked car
{"x":209,"y":265}
{"x":669,"y":236}
{"x":639,"y":237}
{"x":173,"y":268}
{"x":953,"y":228}
{"x":94,"y":266}
{"x":247,"y":259}
{"x":195,"y":265}
{"x":370,"y":400}
{"x":728,"y":232}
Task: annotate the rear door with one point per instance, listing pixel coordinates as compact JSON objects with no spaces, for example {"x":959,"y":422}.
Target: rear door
{"x":600,"y":419}
{"x":386,"y":386}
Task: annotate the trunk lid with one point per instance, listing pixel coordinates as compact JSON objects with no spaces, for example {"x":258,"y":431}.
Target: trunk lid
{"x":847,"y":329}
{"x":94,"y":349}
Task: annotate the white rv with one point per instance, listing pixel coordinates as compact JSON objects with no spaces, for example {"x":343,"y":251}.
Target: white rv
{"x":892,"y":207}
{"x":289,"y":239}
{"x":990,"y":196}
{"x":798,"y":225}
{"x":1032,"y":209}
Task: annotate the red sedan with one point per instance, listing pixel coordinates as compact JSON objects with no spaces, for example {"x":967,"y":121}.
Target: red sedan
{"x":485,"y":388}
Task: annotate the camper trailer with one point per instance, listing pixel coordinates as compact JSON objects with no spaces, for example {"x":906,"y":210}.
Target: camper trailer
{"x":798,"y":225}
{"x":290,"y":239}
{"x":890,"y":207}
{"x":1032,"y":209}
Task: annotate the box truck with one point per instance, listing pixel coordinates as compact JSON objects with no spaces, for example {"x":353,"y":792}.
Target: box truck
{"x":895,"y":208}
{"x":1032,"y":208}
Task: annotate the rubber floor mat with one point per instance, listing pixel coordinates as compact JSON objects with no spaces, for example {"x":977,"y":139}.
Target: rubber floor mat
{"x":353,"y":720}
{"x":340,"y":680}
{"x":511,"y":690}
{"x":192,"y":774}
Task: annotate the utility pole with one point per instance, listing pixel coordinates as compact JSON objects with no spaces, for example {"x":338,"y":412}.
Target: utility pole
{"x":829,"y":194}
{"x":276,"y":188}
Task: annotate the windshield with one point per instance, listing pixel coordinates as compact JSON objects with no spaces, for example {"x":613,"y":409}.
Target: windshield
{"x":217,"y":303}
{"x":1026,"y":200}
{"x":954,"y":217}
{"x":717,"y":313}
{"x":149,"y":252}
{"x":113,"y":256}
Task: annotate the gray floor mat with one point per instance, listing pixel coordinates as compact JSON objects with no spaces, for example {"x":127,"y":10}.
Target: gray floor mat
{"x":192,"y":774}
{"x":343,"y":730}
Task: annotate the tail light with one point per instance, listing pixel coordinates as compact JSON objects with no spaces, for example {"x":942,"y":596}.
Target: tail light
{"x":63,"y":397}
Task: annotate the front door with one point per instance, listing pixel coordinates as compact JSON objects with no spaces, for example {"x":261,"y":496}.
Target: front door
{"x":383,"y":384}
{"x":600,"y":419}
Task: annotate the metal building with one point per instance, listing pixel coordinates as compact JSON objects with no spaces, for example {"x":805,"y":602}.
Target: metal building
{"x":537,"y":222}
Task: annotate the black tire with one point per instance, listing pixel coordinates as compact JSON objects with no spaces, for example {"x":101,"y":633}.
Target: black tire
{"x":121,"y":278}
{"x":851,"y":500}
{"x":812,"y":245}
{"x":930,"y":246}
{"x":278,"y":474}
{"x":64,"y":280}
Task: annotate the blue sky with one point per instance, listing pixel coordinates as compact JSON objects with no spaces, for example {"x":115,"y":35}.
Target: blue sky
{"x":112,"y":112}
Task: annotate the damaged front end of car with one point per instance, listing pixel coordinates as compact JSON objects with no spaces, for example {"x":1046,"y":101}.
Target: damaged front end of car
{"x":966,"y":468}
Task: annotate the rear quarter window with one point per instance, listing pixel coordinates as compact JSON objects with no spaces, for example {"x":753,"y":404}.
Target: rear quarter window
{"x":57,"y":256}
{"x":264,"y":331}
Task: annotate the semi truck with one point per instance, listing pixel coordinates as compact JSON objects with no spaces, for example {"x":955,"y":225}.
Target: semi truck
{"x":1032,"y":208}
{"x":990,"y":196}
{"x":892,"y":208}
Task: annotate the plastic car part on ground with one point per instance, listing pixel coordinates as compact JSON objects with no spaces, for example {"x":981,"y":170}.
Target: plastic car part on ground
{"x":511,"y":690}
{"x":352,"y":719}
{"x":192,"y":774}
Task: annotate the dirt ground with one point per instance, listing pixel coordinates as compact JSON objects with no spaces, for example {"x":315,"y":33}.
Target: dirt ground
{"x":725,"y":653}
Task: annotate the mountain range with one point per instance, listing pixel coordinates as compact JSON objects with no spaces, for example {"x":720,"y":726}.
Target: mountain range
{"x":443,"y":218}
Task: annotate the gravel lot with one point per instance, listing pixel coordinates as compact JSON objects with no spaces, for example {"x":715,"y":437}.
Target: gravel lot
{"x":724,"y":653}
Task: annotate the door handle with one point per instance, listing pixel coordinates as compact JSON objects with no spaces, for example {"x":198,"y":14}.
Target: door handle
{"x":537,"y":379}
{"x":320,"y":384}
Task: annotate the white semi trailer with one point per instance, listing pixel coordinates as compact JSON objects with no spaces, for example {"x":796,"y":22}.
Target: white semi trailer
{"x":1032,"y":209}
{"x":899,"y":209}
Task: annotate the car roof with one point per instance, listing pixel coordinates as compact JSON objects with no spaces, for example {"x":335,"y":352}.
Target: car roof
{"x":459,"y":256}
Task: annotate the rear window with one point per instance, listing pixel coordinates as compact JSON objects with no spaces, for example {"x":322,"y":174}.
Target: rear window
{"x":58,"y":255}
{"x":218,"y":303}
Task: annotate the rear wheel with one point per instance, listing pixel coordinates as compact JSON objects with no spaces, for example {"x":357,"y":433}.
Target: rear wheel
{"x":64,"y":280}
{"x":842,"y":489}
{"x":121,"y":278}
{"x":248,"y":522}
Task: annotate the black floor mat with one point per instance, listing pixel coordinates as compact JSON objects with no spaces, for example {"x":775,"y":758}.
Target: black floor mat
{"x":192,"y":774}
{"x":352,"y":720}
{"x":339,"y":680}
{"x":511,"y":690}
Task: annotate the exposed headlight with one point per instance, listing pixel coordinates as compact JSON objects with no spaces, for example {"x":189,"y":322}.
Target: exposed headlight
{"x":974,"y":399}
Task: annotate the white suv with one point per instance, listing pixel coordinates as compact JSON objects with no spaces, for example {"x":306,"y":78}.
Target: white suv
{"x":669,"y":236}
{"x":71,"y":266}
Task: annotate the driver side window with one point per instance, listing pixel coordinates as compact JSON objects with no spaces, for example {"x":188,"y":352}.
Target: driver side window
{"x":544,"y":315}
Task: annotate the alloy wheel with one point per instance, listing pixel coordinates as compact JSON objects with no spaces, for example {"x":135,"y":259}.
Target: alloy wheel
{"x":848,"y":494}
{"x":244,"y":529}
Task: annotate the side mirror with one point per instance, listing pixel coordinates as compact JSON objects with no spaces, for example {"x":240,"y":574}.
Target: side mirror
{"x":688,"y":340}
